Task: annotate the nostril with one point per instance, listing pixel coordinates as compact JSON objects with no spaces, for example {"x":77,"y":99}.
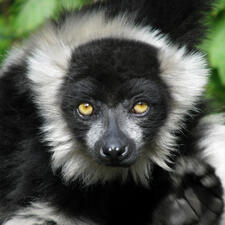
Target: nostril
{"x":114,"y":153}
{"x":104,"y":153}
{"x":124,"y":151}
{"x":121,"y":151}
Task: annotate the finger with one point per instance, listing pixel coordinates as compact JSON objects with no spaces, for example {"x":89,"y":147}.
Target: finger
{"x":209,"y":200}
{"x":175,"y":211}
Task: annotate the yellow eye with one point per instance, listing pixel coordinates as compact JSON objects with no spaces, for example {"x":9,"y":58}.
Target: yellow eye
{"x":140,"y":108}
{"x":85,"y":109}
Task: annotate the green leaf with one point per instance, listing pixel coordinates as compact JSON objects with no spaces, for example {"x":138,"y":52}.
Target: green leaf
{"x":4,"y":46}
{"x":217,"y":48}
{"x":72,"y":4}
{"x":219,"y":6}
{"x":6,"y":27}
{"x":216,"y":92}
{"x":33,"y":13}
{"x":3,"y":26}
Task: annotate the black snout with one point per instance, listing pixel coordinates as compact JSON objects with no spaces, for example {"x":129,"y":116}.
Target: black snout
{"x":114,"y":152}
{"x":115,"y":148}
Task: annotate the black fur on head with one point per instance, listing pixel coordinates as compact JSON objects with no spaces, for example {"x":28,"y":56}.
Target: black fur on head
{"x":114,"y":75}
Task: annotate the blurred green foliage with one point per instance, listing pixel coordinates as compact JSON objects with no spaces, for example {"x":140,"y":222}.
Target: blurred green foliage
{"x":214,"y":46}
{"x":19,"y":17}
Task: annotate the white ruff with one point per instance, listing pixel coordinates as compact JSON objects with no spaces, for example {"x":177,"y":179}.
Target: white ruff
{"x":213,"y":145}
{"x":184,"y":74}
{"x":40,"y":212}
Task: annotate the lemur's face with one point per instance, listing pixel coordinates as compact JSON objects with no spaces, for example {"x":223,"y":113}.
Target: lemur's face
{"x":114,"y":100}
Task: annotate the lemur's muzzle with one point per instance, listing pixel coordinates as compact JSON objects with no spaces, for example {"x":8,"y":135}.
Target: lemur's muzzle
{"x":115,"y":148}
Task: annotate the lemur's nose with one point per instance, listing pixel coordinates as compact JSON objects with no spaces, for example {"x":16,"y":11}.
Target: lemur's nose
{"x":114,"y":153}
{"x":115,"y":148}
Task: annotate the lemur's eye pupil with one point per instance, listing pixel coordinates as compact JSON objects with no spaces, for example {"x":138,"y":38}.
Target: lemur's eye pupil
{"x":85,"y":109}
{"x":140,"y":108}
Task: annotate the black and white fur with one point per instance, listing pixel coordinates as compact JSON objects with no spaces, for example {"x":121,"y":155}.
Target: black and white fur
{"x":109,"y":53}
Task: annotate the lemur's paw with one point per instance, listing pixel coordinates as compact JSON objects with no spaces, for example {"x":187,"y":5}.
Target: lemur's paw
{"x":196,"y":198}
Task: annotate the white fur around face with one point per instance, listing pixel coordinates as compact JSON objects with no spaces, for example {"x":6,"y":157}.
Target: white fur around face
{"x":39,"y":213}
{"x":132,"y":130}
{"x":96,"y":131}
{"x":213,"y":145}
{"x":185,"y":75}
